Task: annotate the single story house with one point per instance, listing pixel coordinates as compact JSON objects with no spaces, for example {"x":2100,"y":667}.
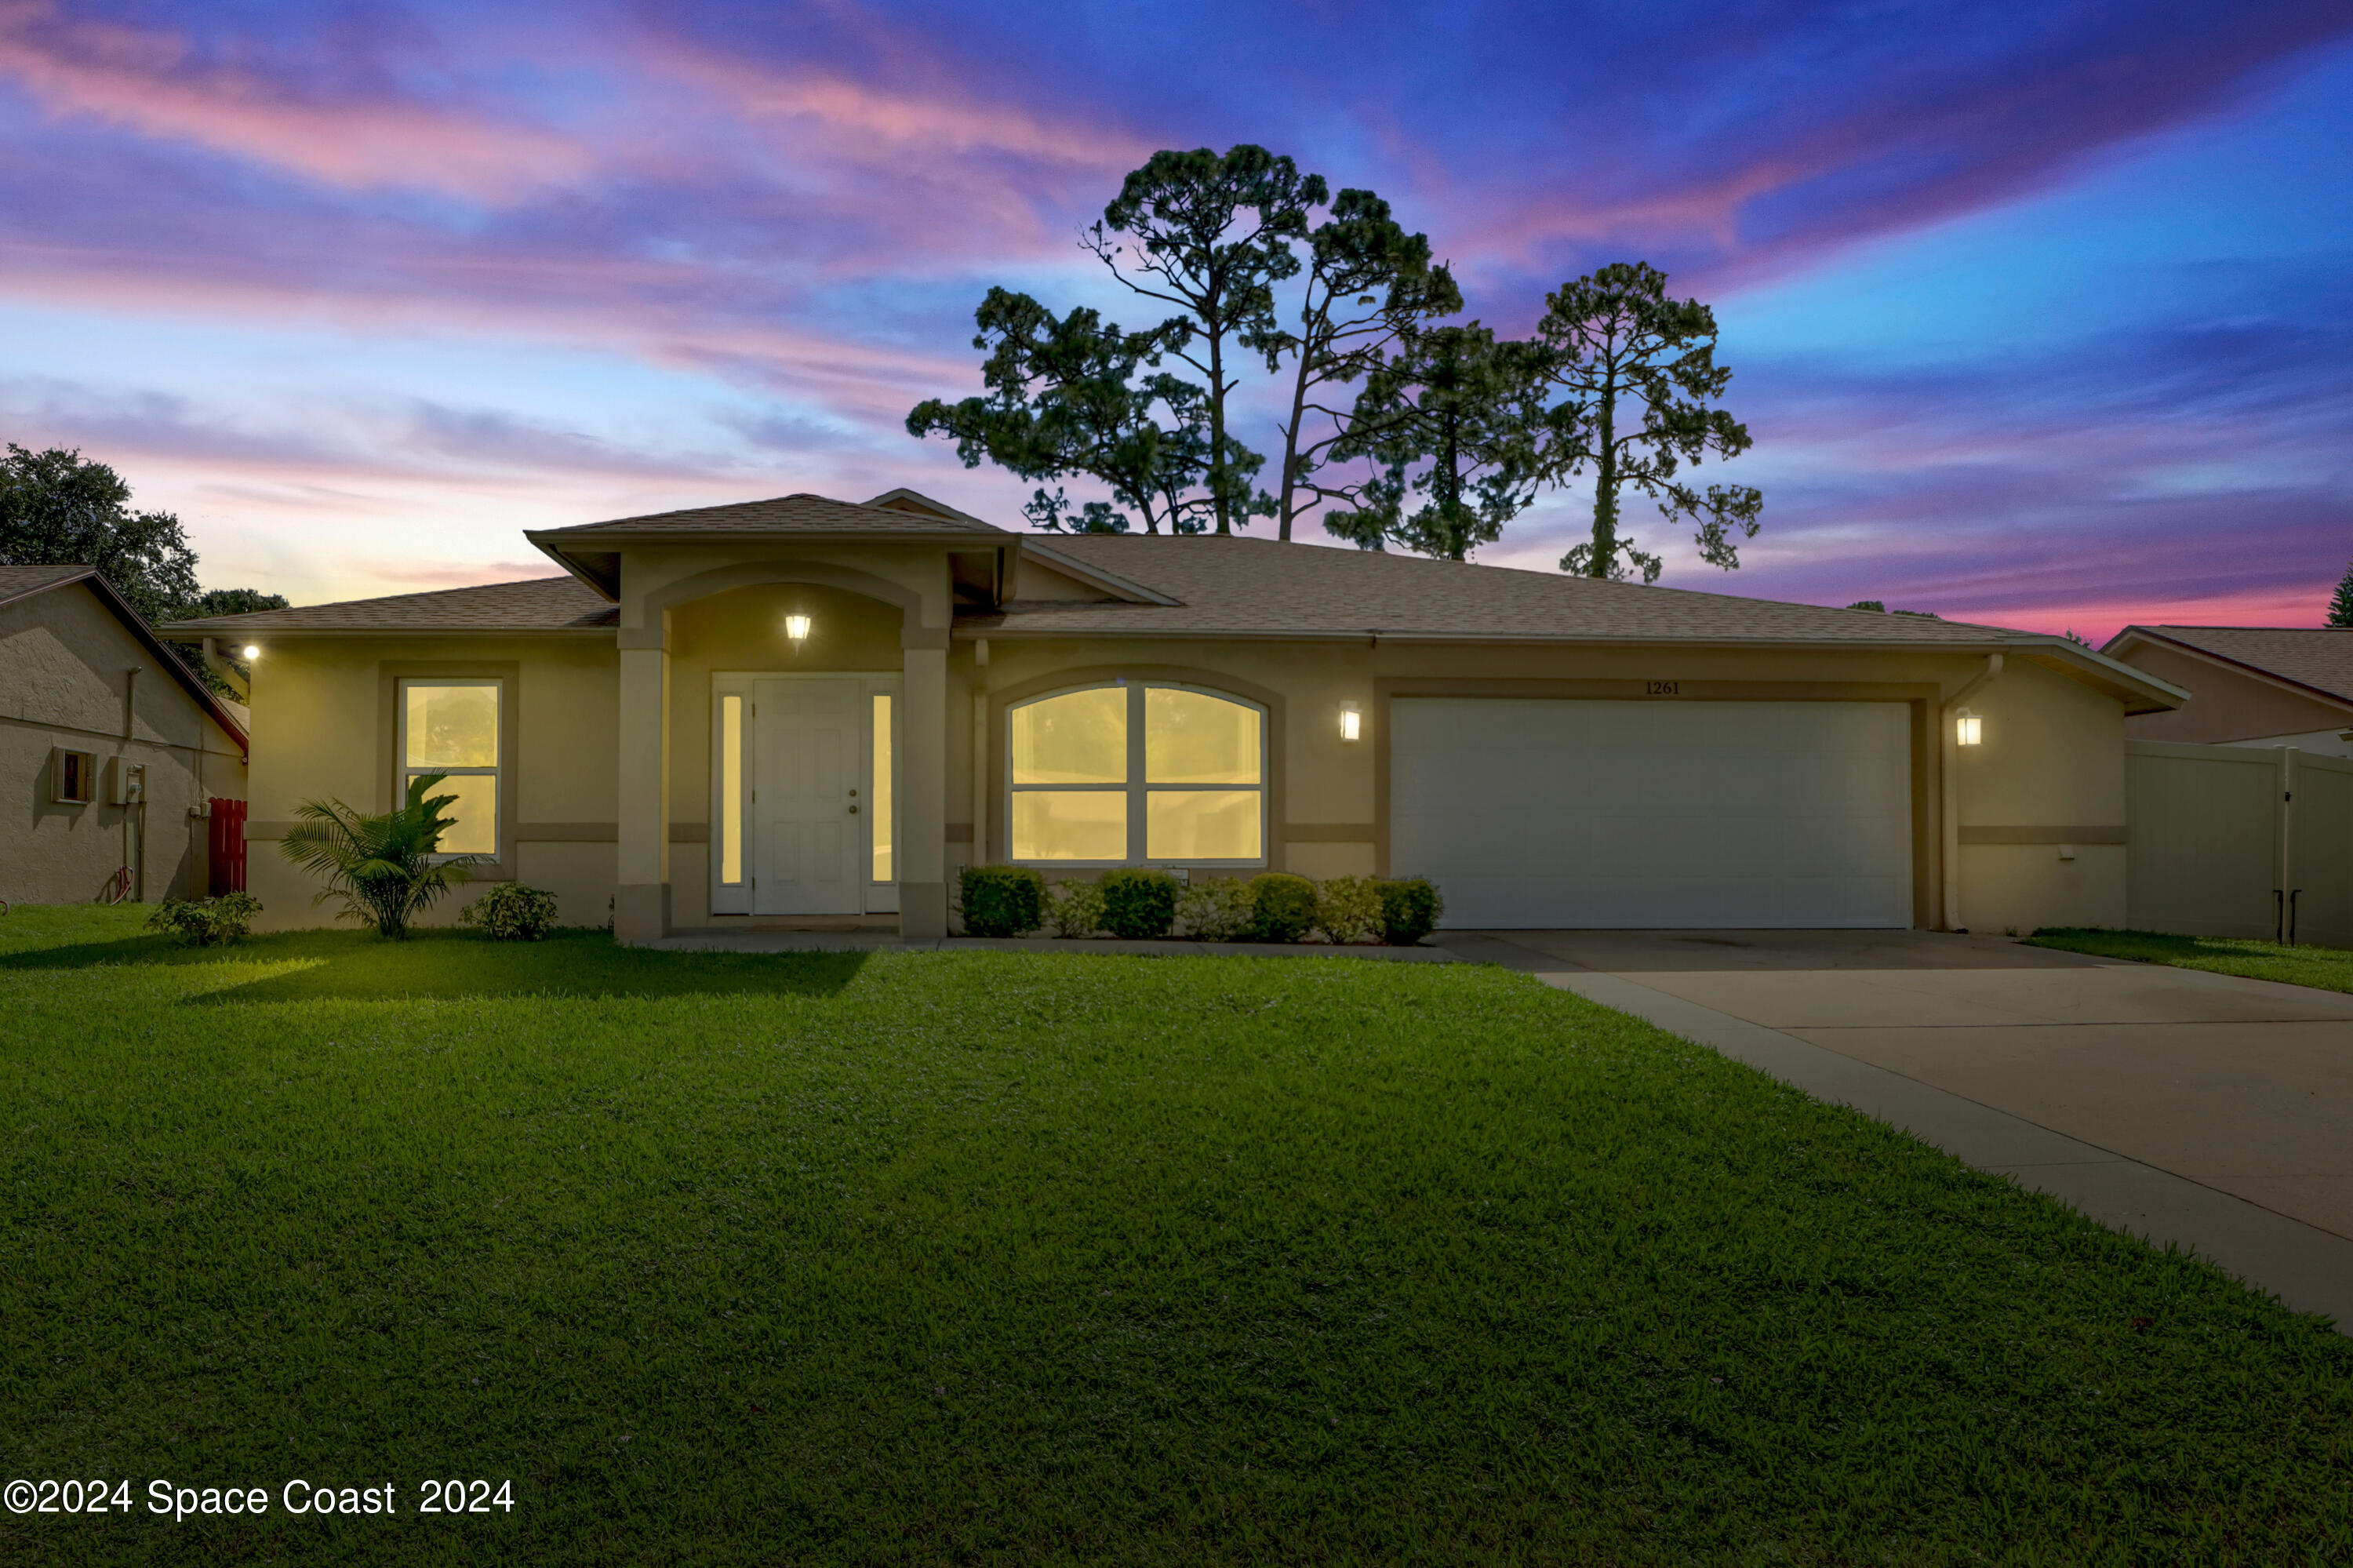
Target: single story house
{"x":111,"y":749}
{"x":2249,"y":686}
{"x":809,"y":710}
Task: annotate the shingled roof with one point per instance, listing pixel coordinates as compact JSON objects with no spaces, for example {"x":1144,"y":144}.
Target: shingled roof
{"x":798,"y":513}
{"x":2319,"y":658}
{"x":539,"y":604}
{"x":1261,"y":588}
{"x":1250,"y":588}
{"x":19,"y":582}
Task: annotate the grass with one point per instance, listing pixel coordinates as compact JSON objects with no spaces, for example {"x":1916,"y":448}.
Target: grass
{"x":1031,"y":1258}
{"x":2327,"y":969}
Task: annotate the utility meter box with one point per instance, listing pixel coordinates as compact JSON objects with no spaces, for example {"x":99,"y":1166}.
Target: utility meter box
{"x":129,"y":781}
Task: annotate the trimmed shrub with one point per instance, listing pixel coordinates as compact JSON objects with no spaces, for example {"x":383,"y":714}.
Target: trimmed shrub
{"x":1002,"y":900}
{"x":207,"y":922}
{"x":1282,"y":908}
{"x":1217,"y":908}
{"x":1138,"y":903}
{"x":510,"y":912}
{"x":1348,"y":908}
{"x":1075,"y":908}
{"x":1410,"y":910}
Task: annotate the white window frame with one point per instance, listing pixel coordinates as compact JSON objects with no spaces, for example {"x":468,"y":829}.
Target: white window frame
{"x":1137,"y":787}
{"x":502,"y":775}
{"x":736,"y":898}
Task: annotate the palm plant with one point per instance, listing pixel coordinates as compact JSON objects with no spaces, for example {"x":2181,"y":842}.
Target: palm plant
{"x":386,"y":868}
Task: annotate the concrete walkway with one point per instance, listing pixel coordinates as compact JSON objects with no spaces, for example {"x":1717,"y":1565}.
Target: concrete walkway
{"x":873,"y":941}
{"x":2182,"y":1106}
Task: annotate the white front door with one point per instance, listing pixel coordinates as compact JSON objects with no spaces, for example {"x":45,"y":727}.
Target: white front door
{"x":1549,"y":812}
{"x":810,"y":843}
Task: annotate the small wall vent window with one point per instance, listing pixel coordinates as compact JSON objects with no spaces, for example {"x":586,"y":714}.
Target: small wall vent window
{"x":73,"y":777}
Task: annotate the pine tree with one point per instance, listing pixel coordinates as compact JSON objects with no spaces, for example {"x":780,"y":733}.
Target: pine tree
{"x":2340,"y":605}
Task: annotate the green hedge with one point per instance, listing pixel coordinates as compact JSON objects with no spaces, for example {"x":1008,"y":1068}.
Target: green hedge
{"x":1282,"y":908}
{"x":207,"y":922}
{"x":1410,"y":910}
{"x":1002,"y":900}
{"x":510,"y":912}
{"x":1138,"y":903}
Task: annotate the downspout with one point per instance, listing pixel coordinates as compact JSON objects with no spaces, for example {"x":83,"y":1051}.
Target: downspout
{"x":1949,"y":810}
{"x":134,"y":862}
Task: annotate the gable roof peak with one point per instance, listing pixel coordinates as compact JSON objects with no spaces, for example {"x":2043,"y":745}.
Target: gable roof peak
{"x":30,"y":582}
{"x":802,"y":511}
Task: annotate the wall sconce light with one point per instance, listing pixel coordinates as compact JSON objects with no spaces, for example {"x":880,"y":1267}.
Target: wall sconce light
{"x":796,"y":626}
{"x":251,"y":651}
{"x":1352,"y":722}
{"x":1969,"y":729}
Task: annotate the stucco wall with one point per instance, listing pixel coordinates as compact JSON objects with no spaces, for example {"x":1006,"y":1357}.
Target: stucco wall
{"x":324,"y":728}
{"x":2049,"y":771}
{"x":64,"y":681}
{"x":2052,"y":761}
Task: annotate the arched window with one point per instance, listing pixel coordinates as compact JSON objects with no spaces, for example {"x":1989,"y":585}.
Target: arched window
{"x":1137,"y":771}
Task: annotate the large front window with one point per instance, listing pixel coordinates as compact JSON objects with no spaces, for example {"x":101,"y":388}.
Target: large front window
{"x":1137,"y":772}
{"x":452,"y":728}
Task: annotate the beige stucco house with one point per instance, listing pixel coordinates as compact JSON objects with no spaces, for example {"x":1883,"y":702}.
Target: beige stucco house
{"x":111,"y":749}
{"x":812,"y":711}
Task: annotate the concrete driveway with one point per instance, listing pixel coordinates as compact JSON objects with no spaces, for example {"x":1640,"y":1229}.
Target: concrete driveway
{"x":2184,"y":1107}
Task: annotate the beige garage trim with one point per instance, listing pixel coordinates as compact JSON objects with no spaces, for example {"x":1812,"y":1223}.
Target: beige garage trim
{"x":2079,"y":835}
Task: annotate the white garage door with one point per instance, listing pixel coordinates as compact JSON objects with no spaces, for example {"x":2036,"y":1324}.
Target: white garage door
{"x":1532,"y":814}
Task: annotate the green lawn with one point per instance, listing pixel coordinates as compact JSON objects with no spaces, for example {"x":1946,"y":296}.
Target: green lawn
{"x":2329,"y":969}
{"x":1029,"y":1258}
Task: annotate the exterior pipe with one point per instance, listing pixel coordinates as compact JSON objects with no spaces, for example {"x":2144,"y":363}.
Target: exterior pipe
{"x":1950,"y":808}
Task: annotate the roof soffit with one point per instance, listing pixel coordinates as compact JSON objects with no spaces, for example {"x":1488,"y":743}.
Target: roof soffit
{"x":605,"y":562}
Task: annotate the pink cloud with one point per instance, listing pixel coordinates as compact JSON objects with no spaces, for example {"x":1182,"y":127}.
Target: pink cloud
{"x":657,"y":311}
{"x":153,"y":82}
{"x":864,"y":120}
{"x":462,"y":575}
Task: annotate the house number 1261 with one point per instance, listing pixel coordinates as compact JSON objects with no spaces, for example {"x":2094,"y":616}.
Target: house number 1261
{"x":1663,"y":688}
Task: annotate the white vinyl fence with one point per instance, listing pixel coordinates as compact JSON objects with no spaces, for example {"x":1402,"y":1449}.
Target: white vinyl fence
{"x":2233,"y":841}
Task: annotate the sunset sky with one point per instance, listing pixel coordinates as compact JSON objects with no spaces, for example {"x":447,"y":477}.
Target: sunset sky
{"x":2040,"y":314}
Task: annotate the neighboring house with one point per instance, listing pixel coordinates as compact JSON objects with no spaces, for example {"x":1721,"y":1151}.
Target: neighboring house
{"x":2249,"y":686}
{"x":807,"y":710}
{"x":111,"y":748}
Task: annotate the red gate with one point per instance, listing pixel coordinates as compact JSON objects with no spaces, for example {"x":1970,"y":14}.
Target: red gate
{"x":227,"y":847}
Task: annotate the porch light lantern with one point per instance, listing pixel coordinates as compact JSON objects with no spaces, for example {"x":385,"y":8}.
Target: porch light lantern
{"x":796,"y":626}
{"x":1969,"y":729}
{"x":1352,"y":722}
{"x":251,"y":651}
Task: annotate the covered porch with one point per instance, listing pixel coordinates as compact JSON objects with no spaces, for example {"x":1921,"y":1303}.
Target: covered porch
{"x":781,"y":723}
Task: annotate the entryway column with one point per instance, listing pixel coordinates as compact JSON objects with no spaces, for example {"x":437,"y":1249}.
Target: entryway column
{"x":642,"y":903}
{"x":922,"y":786}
